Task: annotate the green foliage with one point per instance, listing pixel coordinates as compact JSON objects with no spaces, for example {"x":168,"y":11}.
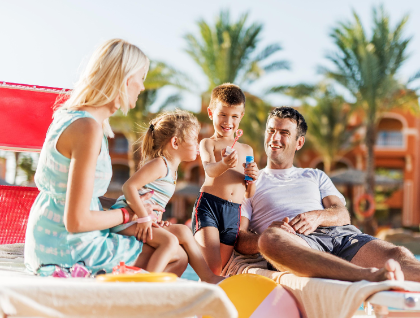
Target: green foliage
{"x":368,"y":67}
{"x":329,"y":130}
{"x":253,"y":124}
{"x":299,"y":91}
{"x":226,"y":51}
{"x":26,"y":164}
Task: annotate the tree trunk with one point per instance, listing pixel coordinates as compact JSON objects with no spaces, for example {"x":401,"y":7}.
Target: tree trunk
{"x":130,"y":155}
{"x":16,"y":169}
{"x":370,"y":224}
{"x":327,"y":165}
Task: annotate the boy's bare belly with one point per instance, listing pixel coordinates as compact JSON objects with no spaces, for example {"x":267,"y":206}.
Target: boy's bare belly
{"x":229,"y":186}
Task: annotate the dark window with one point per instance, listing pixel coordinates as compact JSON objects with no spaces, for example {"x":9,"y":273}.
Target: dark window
{"x":120,"y":174}
{"x":195,"y":174}
{"x":120,"y":145}
{"x":390,"y":133}
{"x":388,"y":138}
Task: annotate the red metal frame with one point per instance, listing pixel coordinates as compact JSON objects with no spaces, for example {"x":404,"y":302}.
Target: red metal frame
{"x":25,"y":114}
{"x":15,"y":205}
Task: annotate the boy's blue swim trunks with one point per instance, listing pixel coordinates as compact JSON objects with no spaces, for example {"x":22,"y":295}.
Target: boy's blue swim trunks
{"x":210,"y":210}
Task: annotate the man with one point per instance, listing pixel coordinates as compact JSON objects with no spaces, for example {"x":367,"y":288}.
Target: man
{"x":299,"y":215}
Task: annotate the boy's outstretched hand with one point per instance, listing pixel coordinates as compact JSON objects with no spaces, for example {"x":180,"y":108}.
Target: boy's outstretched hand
{"x":230,"y":160}
{"x":251,"y":170}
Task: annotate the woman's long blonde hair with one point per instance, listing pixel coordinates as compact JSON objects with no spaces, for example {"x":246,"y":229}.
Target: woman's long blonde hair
{"x":105,"y":77}
{"x":177,"y":123}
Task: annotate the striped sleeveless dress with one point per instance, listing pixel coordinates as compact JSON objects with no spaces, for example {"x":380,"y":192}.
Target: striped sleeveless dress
{"x":47,"y":240}
{"x":163,"y":188}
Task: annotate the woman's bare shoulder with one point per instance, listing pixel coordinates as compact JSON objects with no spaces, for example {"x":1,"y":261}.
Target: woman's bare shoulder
{"x":84,"y":133}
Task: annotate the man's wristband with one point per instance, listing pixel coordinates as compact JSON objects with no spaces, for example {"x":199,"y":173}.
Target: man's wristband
{"x":126,"y":215}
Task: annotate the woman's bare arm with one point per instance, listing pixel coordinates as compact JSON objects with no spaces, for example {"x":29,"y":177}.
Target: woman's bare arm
{"x":81,"y":143}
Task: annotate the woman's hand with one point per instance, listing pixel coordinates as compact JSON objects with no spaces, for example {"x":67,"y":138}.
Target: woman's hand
{"x":164,"y":223}
{"x":147,"y":205}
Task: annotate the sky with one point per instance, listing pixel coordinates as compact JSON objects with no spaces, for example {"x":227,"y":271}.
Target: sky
{"x":47,"y":42}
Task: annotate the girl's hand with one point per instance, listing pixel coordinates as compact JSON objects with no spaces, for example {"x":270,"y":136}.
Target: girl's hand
{"x":144,"y":230}
{"x":230,"y":160}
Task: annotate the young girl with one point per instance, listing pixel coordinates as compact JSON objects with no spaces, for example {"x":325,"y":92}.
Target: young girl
{"x":170,"y":139}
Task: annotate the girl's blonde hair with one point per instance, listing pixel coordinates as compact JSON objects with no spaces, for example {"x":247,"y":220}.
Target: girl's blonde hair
{"x":105,"y":77}
{"x":177,"y":123}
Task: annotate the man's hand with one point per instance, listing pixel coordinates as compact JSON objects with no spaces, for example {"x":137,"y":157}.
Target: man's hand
{"x":306,"y":223}
{"x":283,"y":225}
{"x":230,"y":160}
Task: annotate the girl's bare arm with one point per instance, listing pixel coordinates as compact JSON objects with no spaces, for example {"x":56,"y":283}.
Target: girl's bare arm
{"x":151,"y":171}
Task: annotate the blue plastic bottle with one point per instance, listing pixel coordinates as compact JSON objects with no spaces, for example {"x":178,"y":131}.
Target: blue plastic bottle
{"x":249,"y":159}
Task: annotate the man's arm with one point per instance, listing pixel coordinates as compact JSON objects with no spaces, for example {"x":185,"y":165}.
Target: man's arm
{"x":335,"y":214}
{"x":247,"y":242}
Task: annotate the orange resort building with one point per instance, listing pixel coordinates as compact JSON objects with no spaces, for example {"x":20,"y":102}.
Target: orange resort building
{"x":397,"y":155}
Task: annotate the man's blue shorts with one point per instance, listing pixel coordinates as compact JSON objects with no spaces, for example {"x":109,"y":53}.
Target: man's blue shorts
{"x":210,"y":210}
{"x":342,"y":241}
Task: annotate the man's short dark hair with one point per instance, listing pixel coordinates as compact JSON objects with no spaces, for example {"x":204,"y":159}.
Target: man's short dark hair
{"x":292,"y":114}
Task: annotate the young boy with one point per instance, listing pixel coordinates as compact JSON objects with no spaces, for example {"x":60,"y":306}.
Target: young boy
{"x":217,"y":210}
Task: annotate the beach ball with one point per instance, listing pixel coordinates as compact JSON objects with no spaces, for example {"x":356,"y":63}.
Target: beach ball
{"x":258,"y":296}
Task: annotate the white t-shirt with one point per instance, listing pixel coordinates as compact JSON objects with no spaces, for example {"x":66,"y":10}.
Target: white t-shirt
{"x":284,"y":193}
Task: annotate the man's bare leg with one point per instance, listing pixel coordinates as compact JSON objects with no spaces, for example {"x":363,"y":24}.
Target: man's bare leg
{"x":286,"y":252}
{"x":377,"y":252}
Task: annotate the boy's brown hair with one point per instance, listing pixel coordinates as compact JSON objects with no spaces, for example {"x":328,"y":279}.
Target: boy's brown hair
{"x":227,"y":93}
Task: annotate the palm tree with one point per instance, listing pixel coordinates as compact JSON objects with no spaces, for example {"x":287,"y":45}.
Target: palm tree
{"x":253,"y":124}
{"x":160,"y":75}
{"x":329,"y":130}
{"x":26,"y":164}
{"x":227,"y":53}
{"x":368,"y":68}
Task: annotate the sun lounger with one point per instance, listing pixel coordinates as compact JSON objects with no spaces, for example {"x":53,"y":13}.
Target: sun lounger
{"x":325,"y":298}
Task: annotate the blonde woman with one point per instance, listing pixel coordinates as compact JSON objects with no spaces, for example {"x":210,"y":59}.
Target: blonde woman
{"x":67,"y":224}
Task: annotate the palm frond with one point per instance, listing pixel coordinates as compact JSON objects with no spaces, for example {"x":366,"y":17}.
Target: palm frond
{"x":226,"y":50}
